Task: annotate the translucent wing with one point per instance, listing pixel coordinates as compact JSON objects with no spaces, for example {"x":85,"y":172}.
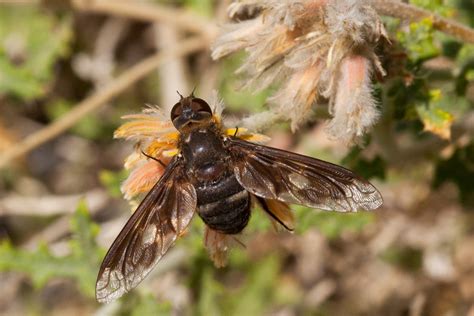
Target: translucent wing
{"x":161,"y":217}
{"x":292,"y":178}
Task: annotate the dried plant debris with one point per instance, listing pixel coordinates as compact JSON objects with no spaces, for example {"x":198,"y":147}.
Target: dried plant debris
{"x":312,"y":48}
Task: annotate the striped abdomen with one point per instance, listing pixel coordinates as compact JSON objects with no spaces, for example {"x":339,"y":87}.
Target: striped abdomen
{"x":224,"y":206}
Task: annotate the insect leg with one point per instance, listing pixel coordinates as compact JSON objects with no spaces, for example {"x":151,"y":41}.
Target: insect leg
{"x":155,"y":159}
{"x":265,"y":207}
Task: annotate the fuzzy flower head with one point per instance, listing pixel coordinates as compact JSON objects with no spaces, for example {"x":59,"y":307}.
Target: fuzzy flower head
{"x":154,"y":135}
{"x":312,"y":48}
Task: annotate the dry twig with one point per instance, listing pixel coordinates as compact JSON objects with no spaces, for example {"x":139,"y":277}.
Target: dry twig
{"x":409,"y":12}
{"x":191,"y":22}
{"x":55,"y":230}
{"x":18,"y":205}
{"x":172,"y":74}
{"x":179,"y":18}
{"x":97,"y":100}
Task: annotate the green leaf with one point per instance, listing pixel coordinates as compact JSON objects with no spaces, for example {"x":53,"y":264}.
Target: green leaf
{"x":149,"y":306}
{"x":435,"y":119}
{"x":331,"y":224}
{"x":202,"y":7}
{"x":405,"y":257}
{"x":367,"y":168}
{"x":210,"y":292}
{"x":41,"y":266}
{"x":235,"y":99}
{"x":257,"y":291}
{"x":466,"y":74}
{"x":112,"y":180}
{"x":91,"y":126}
{"x":418,"y":41}
{"x":470,"y":75}
{"x":458,"y":169}
{"x":133,"y":304}
{"x":31,"y":41}
{"x":84,"y":232}
{"x":438,"y":6}
{"x":260,"y":221}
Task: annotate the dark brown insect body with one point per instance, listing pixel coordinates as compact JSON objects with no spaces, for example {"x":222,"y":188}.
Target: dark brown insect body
{"x":218,"y":175}
{"x":223,"y":204}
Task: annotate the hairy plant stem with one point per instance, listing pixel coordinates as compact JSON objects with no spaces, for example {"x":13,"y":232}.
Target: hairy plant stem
{"x":412,"y":13}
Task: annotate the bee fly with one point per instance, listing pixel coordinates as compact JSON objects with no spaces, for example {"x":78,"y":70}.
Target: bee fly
{"x":217,"y":174}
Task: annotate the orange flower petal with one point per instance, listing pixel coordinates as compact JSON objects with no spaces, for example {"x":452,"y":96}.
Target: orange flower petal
{"x":142,"y":128}
{"x":242,"y":133}
{"x":142,"y":179}
{"x":132,"y":160}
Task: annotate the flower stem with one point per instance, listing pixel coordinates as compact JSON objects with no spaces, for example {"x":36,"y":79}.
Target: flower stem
{"x":409,"y":12}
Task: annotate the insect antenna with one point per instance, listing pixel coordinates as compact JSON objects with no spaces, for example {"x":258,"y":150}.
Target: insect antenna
{"x":192,"y":92}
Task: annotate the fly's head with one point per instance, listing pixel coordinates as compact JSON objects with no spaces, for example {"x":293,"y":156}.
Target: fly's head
{"x":191,"y":112}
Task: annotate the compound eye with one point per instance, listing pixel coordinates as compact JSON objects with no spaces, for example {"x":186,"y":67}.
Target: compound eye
{"x":176,"y":111}
{"x":199,"y":105}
